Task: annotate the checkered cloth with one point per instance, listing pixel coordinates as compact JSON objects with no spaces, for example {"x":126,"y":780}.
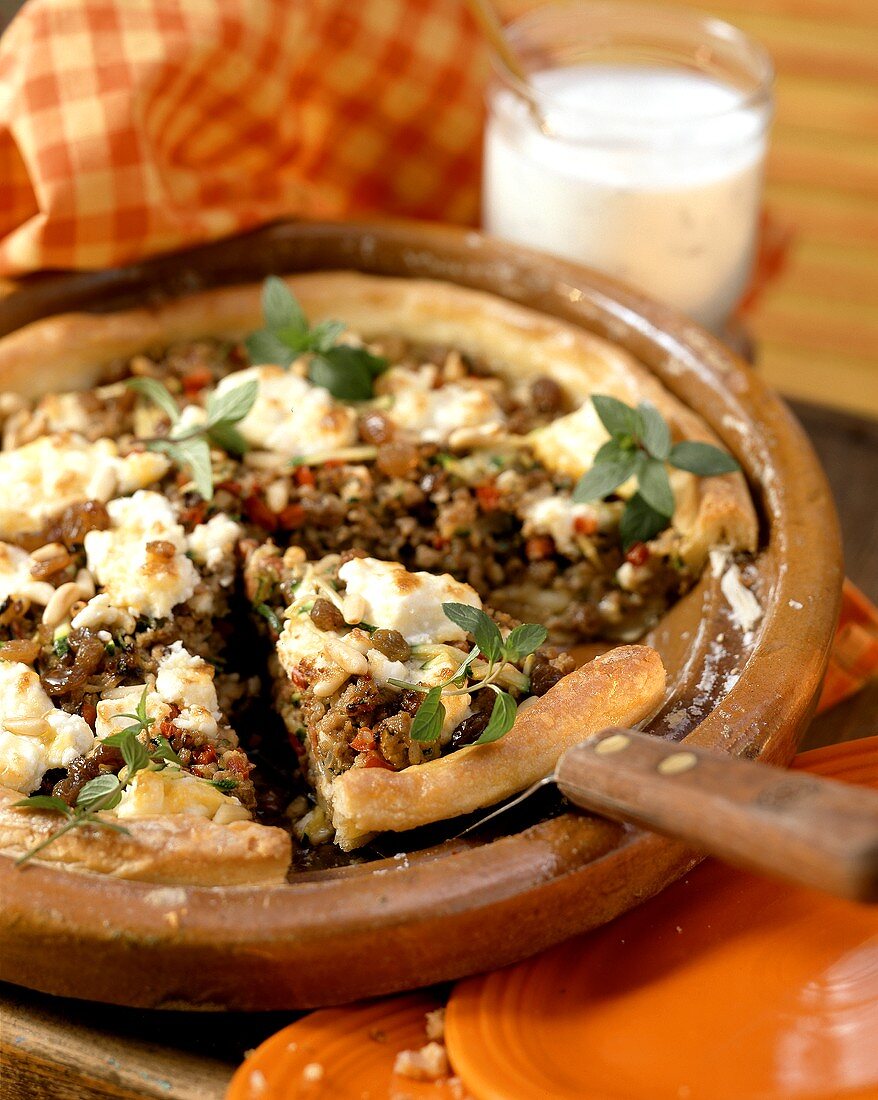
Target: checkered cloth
{"x":130,"y":127}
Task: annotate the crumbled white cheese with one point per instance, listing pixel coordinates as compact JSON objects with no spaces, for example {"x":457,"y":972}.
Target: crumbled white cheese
{"x":212,"y":544}
{"x":568,"y":445}
{"x":183,"y":681}
{"x":172,"y":791}
{"x":100,"y":611}
{"x":16,"y":579}
{"x":411,"y":603}
{"x":559,"y":516}
{"x":56,"y":739}
{"x":745,"y":607}
{"x":318,"y":659}
{"x":135,"y":574}
{"x":41,"y":478}
{"x":432,"y":413}
{"x":290,"y":413}
{"x":427,"y":1064}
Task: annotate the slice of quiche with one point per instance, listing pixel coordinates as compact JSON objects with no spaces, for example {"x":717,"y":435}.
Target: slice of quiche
{"x":411,"y":704}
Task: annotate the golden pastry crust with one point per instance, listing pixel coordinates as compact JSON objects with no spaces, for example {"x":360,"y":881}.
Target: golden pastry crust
{"x":69,"y":351}
{"x":179,"y":849}
{"x":621,"y":688}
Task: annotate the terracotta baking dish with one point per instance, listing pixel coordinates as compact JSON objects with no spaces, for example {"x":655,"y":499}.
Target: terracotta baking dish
{"x":457,"y":907}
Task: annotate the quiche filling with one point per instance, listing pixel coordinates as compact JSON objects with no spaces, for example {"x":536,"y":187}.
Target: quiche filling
{"x":394,"y":516}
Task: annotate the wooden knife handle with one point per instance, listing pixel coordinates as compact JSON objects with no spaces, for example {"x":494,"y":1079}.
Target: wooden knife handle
{"x":811,"y":831}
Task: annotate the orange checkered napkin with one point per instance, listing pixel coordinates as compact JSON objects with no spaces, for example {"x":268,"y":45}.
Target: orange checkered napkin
{"x":854,"y":657}
{"x":130,"y":127}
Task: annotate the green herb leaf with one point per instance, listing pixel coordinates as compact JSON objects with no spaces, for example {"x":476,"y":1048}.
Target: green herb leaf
{"x":656,"y":436}
{"x":227,"y":436}
{"x":44,"y":802}
{"x":655,"y":486}
{"x":619,"y":419}
{"x":268,"y":347}
{"x":61,"y":646}
{"x":702,"y":459}
{"x":603,"y":478}
{"x":163,"y":751}
{"x":524,"y":640}
{"x":279,"y":306}
{"x":482,"y":627}
{"x":324,"y":335}
{"x":157,"y":393}
{"x":233,"y":405}
{"x":135,"y":754}
{"x":640,"y":522}
{"x":502,"y":719}
{"x":270,"y":616}
{"x":191,"y":454}
{"x":224,"y":785}
{"x":427,"y":723}
{"x":102,"y":793}
{"x":461,"y":675}
{"x":348,"y":373}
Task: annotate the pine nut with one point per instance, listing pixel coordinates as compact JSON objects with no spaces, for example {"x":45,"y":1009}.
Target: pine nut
{"x":39,"y":592}
{"x":60,"y":604}
{"x":277,"y":496}
{"x":103,"y":484}
{"x":27,"y":727}
{"x":85,"y":582}
{"x":353,"y":609}
{"x":50,"y":550}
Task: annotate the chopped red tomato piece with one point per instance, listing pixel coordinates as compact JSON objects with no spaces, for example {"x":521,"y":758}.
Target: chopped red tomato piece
{"x":374,"y":759}
{"x":638,"y":554}
{"x":292,"y":516}
{"x":195,"y":381}
{"x":304,"y":475}
{"x":364,"y":740}
{"x":259,"y":512}
{"x":488,"y":496}
{"x":539,"y":547}
{"x":585,"y":525}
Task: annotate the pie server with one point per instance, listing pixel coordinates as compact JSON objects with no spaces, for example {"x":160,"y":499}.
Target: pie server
{"x":789,"y":824}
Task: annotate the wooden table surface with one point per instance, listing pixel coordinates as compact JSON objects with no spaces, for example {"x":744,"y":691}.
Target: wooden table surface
{"x":55,"y":1049}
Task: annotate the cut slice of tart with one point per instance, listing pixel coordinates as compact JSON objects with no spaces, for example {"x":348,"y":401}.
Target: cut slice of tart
{"x":411,"y":704}
{"x":106,"y":690}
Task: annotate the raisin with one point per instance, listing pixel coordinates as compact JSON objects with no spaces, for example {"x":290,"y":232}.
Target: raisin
{"x":392,"y":644}
{"x":546,"y":394}
{"x":326,"y":616}
{"x":375,"y":428}
{"x":397,"y":459}
{"x":544,"y":676}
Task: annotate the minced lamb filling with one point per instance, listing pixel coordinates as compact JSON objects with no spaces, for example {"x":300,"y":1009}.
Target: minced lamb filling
{"x":110,"y":559}
{"x":449,"y":467}
{"x":350,"y":634}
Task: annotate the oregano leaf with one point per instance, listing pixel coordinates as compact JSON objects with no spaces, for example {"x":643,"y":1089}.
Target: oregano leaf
{"x":44,"y":802}
{"x":656,"y":435}
{"x":603,"y":478}
{"x":654,"y":486}
{"x":702,"y":459}
{"x":427,"y":723}
{"x":524,"y":640}
{"x":157,"y":393}
{"x":280,"y":307}
{"x":482,"y":627}
{"x":267,"y":347}
{"x":640,"y":522}
{"x":619,"y":419}
{"x":233,"y":405}
{"x":502,"y":719}
{"x":101,"y":793}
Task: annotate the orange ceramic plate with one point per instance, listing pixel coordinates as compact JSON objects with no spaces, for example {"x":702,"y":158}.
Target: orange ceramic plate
{"x":353,"y":1047}
{"x":725,"y":987}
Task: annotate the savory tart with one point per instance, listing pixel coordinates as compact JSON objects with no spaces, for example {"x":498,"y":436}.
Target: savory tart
{"x":397,"y":688}
{"x":360,"y":437}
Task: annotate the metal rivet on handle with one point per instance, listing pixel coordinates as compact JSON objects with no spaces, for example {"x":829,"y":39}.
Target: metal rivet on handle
{"x":614,"y":743}
{"x":679,"y":762}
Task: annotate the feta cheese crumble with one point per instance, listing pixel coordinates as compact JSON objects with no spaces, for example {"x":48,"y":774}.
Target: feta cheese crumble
{"x":34,"y":736}
{"x":141,"y":560}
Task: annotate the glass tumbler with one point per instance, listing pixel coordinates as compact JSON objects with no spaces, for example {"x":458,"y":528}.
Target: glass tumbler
{"x":636,"y":147}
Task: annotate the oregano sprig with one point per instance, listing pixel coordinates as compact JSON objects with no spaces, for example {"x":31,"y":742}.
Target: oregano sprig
{"x":348,"y":373}
{"x":104,"y":792}
{"x":640,"y":446}
{"x":188,"y":445}
{"x":496,"y":651}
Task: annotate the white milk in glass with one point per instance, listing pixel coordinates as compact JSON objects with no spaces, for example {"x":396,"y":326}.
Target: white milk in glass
{"x":649,"y":174}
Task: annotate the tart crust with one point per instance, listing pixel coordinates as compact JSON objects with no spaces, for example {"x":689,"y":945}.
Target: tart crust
{"x":620,"y":688}
{"x":177,"y":849}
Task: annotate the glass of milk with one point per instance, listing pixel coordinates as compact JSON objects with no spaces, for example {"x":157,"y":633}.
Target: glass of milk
{"x":637,"y":148}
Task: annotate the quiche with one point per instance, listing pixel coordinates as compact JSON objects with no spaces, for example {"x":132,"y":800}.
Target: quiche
{"x":190,"y":521}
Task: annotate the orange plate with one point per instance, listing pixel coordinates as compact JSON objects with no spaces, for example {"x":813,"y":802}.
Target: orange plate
{"x":725,"y":987}
{"x":355,"y":1047}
